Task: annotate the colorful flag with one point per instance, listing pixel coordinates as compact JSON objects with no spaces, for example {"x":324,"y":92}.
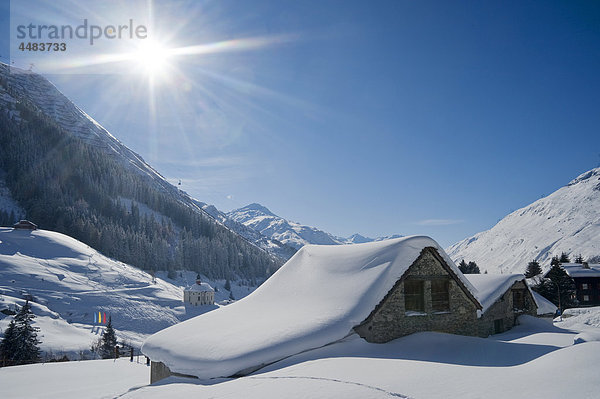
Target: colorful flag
{"x":104,"y":318}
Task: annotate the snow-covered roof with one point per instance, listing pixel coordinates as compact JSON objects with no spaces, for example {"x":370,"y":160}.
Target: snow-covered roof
{"x":316,"y":298}
{"x":490,"y":287}
{"x":577,"y":270}
{"x":544,"y":306}
{"x":202,"y":287}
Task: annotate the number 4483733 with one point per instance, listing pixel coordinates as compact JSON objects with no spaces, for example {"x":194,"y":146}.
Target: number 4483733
{"x":43,"y":47}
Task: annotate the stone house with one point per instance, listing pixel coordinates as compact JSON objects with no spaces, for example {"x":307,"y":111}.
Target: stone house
{"x":380,"y":291}
{"x":504,"y":297}
{"x":429,"y":296}
{"x":199,"y":294}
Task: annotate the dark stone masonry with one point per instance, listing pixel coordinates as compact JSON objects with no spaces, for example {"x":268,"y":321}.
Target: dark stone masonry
{"x":391,"y":320}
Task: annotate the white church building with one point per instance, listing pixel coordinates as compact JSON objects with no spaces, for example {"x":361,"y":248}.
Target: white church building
{"x":199,"y":294}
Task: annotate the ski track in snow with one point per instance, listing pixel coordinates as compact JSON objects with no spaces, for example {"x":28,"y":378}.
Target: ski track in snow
{"x":393,"y":394}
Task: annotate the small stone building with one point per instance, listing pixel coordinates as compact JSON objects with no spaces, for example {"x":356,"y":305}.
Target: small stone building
{"x":429,"y":296}
{"x":199,"y":294}
{"x":504,"y":298}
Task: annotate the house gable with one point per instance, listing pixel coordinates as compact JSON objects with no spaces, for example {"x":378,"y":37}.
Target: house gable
{"x":503,"y":314}
{"x":390,"y":318}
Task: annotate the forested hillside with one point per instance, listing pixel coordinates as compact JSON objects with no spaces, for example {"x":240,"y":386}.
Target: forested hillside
{"x":70,"y":185}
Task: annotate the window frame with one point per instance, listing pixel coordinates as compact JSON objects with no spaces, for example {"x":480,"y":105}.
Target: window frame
{"x":414,"y":295}
{"x":440,"y":298}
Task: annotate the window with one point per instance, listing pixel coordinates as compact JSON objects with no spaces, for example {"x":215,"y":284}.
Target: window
{"x":586,"y":298}
{"x":518,"y":299}
{"x":414,"y":296}
{"x":498,"y":326}
{"x":440,"y":295}
{"x":584,"y":286}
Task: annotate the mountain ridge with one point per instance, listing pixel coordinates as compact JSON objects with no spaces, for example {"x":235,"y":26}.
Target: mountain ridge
{"x":568,"y":220}
{"x":260,"y":219}
{"x":65,"y":134}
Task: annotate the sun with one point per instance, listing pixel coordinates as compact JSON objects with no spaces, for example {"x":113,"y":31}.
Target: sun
{"x":152,"y":58}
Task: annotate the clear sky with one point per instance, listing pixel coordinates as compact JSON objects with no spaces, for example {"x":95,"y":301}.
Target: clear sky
{"x":377,"y":117}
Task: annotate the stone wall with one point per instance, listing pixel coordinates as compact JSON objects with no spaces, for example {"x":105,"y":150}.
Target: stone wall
{"x":389,"y":320}
{"x":158,"y":371}
{"x":503,"y":309}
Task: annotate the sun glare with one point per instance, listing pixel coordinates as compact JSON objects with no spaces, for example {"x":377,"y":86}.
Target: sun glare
{"x":152,"y":58}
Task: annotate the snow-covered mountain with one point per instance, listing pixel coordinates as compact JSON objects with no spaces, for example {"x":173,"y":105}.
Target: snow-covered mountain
{"x":20,"y":88}
{"x":261,"y":219}
{"x":567,"y":220}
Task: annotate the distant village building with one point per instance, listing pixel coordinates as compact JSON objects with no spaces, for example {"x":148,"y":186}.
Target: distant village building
{"x":25,"y":225}
{"x":199,"y":294}
{"x":587,"y":282}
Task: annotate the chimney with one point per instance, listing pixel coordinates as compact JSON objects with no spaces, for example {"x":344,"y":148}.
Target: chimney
{"x":585,"y":265}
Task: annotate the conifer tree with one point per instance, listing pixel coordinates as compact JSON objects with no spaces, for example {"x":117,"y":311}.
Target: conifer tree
{"x":468,"y":268}
{"x":564,"y":258}
{"x":108,"y":342}
{"x":558,"y":288}
{"x":20,"y":344}
{"x":7,"y":345}
{"x":533,"y":269}
{"x":579,"y":259}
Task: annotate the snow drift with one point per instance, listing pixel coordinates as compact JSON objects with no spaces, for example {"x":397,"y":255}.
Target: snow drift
{"x":315,"y":299}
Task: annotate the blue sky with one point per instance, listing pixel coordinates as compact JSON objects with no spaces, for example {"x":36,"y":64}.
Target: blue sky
{"x":384,"y":117}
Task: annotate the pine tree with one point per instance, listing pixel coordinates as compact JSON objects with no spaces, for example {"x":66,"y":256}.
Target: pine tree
{"x":227,"y":285}
{"x":558,"y":281}
{"x":108,"y":342}
{"x":7,"y":345}
{"x":20,"y":344}
{"x":468,"y":268}
{"x":579,"y":259}
{"x":533,"y":269}
{"x":564,"y":258}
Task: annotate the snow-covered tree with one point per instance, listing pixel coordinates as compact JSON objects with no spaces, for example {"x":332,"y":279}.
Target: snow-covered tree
{"x":20,"y":344}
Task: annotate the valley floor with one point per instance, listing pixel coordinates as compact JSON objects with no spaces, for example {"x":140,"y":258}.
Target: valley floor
{"x":535,"y":359}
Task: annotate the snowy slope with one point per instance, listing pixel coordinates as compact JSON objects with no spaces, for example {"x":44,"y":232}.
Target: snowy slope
{"x":70,"y":281}
{"x":316,"y":298}
{"x":567,"y":220}
{"x":262,"y":220}
{"x":533,"y":360}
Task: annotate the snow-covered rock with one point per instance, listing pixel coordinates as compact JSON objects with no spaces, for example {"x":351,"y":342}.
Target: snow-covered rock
{"x":567,"y":220}
{"x":316,"y":298}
